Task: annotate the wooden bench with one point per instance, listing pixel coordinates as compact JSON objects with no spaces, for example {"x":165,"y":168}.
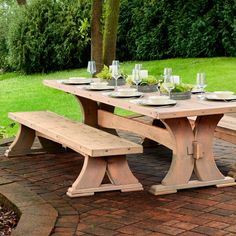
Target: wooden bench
{"x":103,"y":152}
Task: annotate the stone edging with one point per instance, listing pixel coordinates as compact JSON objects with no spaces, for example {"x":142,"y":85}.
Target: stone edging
{"x":37,"y":217}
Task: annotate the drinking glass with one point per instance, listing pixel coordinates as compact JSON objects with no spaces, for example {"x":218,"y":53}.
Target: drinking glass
{"x":201,"y":83}
{"x":167,"y":72}
{"x":115,"y":70}
{"x":168,"y":84}
{"x":136,"y":78}
{"x":91,"y":68}
{"x":138,"y":66}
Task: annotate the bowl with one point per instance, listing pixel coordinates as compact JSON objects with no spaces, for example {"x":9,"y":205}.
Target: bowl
{"x":127,"y":91}
{"x":98,"y":85}
{"x":156,"y":99}
{"x":223,"y":94}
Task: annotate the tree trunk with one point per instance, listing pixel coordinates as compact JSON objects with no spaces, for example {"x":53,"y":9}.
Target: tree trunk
{"x":110,"y":31}
{"x":96,"y":34}
{"x":21,"y":2}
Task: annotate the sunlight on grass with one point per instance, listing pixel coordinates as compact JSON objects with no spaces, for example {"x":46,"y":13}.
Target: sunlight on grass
{"x":20,"y":92}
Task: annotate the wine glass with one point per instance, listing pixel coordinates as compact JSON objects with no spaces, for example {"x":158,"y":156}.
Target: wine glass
{"x":136,"y":78}
{"x":91,"y":68}
{"x":168,"y":84}
{"x":115,"y":70}
{"x":167,"y":72}
{"x":138,"y":66}
{"x":201,"y":83}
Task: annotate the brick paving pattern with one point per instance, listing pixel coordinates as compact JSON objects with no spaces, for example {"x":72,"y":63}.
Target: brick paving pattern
{"x":194,"y":212}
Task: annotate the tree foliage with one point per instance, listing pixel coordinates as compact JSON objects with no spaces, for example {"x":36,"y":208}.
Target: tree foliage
{"x":49,"y":35}
{"x":54,"y":34}
{"x":166,"y":28}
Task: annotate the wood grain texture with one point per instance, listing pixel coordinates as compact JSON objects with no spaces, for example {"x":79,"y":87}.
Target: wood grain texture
{"x":182,"y":161}
{"x":109,"y":120}
{"x":189,"y":146}
{"x":205,"y":168}
{"x":162,"y":189}
{"x":89,"y":111}
{"x":22,"y":143}
{"x":225,"y":129}
{"x":77,"y":136}
{"x":90,"y":178}
{"x":184,"y":108}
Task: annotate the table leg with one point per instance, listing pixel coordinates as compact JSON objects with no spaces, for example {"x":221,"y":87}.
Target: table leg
{"x":182,"y":162}
{"x":193,"y":151}
{"x":205,"y":167}
{"x":89,"y":111}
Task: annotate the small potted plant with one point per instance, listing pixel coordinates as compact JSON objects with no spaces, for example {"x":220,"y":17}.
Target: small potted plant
{"x":179,"y":92}
{"x":149,"y":84}
{"x":105,"y":74}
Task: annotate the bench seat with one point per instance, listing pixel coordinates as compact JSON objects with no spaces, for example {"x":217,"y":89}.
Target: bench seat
{"x":102,"y":151}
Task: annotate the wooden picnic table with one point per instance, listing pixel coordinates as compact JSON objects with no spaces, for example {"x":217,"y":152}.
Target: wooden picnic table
{"x":192,"y":148}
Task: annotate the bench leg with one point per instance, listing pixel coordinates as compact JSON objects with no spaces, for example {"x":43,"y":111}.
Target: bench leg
{"x":22,"y":143}
{"x":93,"y":171}
{"x":120,"y":174}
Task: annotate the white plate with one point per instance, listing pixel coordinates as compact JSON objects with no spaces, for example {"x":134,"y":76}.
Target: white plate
{"x":99,"y":89}
{"x":119,"y":95}
{"x":216,"y":98}
{"x":147,"y":102}
{"x":82,"y":81}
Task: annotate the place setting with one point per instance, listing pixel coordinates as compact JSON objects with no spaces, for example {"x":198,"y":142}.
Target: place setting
{"x":155,"y":100}
{"x":225,"y":96}
{"x":99,"y":86}
{"x":123,"y":92}
{"x":76,"y":81}
{"x":91,"y":68}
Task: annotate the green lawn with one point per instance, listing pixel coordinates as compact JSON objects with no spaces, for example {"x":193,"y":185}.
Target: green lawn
{"x":27,"y":93}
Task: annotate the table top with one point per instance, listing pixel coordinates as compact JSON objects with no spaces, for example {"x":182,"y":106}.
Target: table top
{"x":183,"y":108}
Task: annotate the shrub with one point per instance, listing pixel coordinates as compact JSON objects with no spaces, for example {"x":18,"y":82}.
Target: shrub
{"x":4,"y":22}
{"x":158,"y":29}
{"x":49,"y":35}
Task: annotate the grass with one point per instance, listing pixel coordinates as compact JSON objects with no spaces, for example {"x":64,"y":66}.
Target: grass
{"x":20,"y":92}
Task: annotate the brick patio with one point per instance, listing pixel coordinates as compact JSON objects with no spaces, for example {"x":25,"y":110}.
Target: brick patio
{"x":202,"y":211}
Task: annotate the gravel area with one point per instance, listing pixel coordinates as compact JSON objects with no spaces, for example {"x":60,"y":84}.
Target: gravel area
{"x":8,"y":221}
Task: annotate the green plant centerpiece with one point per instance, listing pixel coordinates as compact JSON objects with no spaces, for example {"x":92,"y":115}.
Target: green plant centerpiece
{"x":148,"y":84}
{"x":179,"y":92}
{"x":105,"y":74}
